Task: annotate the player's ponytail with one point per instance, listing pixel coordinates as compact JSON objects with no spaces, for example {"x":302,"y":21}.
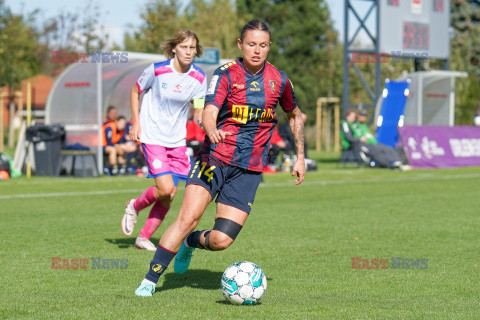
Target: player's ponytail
{"x":254,"y":25}
{"x":178,"y":38}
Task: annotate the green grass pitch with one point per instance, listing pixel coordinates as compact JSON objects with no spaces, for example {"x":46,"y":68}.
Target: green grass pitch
{"x":303,"y":237}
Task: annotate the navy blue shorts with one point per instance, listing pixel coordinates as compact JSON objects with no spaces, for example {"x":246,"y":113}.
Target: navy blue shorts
{"x":232,"y":186}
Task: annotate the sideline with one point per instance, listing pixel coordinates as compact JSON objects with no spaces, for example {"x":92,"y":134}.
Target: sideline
{"x":426,"y":176}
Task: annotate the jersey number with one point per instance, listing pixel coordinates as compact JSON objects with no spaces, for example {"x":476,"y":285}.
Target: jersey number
{"x":208,"y":173}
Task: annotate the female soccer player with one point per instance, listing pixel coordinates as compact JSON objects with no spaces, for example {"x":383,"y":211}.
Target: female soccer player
{"x":238,"y":119}
{"x":169,"y":87}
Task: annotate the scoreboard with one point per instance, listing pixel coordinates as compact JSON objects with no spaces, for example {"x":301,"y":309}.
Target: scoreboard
{"x":415,"y":27}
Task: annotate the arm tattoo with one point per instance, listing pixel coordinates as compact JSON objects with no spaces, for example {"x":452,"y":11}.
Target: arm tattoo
{"x":296,"y":126}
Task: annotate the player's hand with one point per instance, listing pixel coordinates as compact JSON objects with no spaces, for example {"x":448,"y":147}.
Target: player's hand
{"x":363,"y":139}
{"x":134,"y":133}
{"x":299,"y":170}
{"x":217,"y":136}
{"x":197,"y":116}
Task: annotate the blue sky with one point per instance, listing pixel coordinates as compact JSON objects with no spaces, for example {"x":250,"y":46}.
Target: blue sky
{"x":119,"y":14}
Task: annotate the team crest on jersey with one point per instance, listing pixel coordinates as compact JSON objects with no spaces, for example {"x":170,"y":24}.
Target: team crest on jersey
{"x":164,"y":85}
{"x":273,"y":83}
{"x":255,"y":85}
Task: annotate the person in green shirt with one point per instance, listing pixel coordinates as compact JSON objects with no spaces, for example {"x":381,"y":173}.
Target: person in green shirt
{"x":356,"y":137}
{"x":349,"y":133}
{"x":382,"y":155}
{"x":361,"y":126}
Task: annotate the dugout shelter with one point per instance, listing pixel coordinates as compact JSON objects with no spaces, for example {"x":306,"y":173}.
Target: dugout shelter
{"x":82,"y":93}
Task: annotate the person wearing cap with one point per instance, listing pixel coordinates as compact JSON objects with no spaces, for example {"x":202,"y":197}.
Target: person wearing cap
{"x":362,"y":127}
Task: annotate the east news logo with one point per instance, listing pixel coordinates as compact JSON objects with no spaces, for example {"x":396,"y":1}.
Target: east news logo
{"x":397,"y":263}
{"x":97,"y":263}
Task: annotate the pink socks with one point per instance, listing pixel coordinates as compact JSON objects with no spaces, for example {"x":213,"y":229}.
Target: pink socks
{"x":155,"y":219}
{"x":146,"y":198}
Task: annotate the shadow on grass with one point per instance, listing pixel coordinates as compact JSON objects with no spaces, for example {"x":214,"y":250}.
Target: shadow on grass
{"x":195,"y":278}
{"x":226,"y":302}
{"x":201,"y":279}
{"x":125,"y":243}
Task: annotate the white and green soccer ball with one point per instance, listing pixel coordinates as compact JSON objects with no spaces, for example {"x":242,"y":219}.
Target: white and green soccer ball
{"x":244,"y":283}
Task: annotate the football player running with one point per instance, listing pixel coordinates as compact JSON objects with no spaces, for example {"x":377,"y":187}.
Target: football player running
{"x":238,"y":119}
{"x":160,"y":125}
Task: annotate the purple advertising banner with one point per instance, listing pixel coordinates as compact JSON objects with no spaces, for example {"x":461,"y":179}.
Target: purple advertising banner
{"x":441,"y":147}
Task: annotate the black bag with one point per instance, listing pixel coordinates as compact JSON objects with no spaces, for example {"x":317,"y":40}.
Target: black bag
{"x":4,"y":163}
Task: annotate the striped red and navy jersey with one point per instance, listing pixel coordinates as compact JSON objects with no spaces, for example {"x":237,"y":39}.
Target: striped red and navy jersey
{"x":247,"y":104}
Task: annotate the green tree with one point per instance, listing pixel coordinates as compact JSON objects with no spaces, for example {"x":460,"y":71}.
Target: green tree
{"x":161,"y":21}
{"x":68,"y":32}
{"x":216,"y":23}
{"x":57,"y":34}
{"x":90,"y":33}
{"x":465,"y":56}
{"x":19,"y":58}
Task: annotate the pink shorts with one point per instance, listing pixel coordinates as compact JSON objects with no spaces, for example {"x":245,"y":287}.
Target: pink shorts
{"x":162,"y":161}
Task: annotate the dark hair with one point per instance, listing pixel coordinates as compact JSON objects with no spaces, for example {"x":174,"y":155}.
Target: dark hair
{"x":121,"y":118}
{"x":254,"y":25}
{"x":178,"y":38}
{"x":110,"y":108}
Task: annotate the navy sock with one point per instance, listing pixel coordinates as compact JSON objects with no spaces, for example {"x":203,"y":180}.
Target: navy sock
{"x":193,"y":239}
{"x":159,"y":264}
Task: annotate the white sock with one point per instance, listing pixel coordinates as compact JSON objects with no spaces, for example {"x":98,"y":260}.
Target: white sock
{"x":145,"y":281}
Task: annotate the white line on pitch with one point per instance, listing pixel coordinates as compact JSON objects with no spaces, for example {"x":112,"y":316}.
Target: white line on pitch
{"x":67,"y":194}
{"x":266,"y":185}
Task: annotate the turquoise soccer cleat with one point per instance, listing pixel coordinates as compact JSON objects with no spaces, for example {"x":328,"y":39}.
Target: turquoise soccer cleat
{"x":145,"y":290}
{"x":182,"y":260}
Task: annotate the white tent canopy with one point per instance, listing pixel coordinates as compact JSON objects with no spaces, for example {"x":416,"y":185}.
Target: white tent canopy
{"x":74,"y":101}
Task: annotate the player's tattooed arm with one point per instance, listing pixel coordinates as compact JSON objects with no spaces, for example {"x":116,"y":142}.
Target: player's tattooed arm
{"x":296,"y":120}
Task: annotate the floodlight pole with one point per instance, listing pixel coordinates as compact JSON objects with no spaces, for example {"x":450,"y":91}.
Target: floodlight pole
{"x":99,"y":116}
{"x":348,"y":49}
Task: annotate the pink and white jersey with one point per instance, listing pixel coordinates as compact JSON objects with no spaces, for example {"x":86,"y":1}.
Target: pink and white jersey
{"x":165,"y":105}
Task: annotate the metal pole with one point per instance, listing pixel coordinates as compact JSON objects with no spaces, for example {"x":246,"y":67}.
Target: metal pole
{"x":337,"y":126}
{"x":318,"y":145}
{"x":29,"y":103}
{"x":451,"y":111}
{"x":11,"y":132}
{"x":29,"y":120}
{"x":420,"y":101}
{"x":1,"y":121}
{"x":346,"y":92}
{"x":99,"y":117}
{"x":20,"y":107}
{"x":378,"y":71}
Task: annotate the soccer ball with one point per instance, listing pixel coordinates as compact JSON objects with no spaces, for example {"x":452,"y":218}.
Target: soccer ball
{"x":244,"y":283}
